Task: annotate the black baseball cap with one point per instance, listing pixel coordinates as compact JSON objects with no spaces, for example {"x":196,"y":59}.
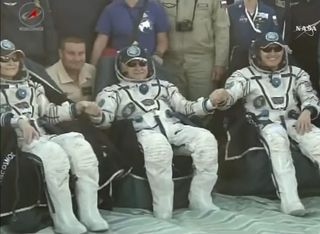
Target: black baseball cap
{"x":269,"y":38}
{"x":133,"y":52}
{"x":8,"y":48}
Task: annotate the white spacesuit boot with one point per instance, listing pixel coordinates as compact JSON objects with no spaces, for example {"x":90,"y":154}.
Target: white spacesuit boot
{"x":205,"y":174}
{"x":87,"y":200}
{"x":284,"y":172}
{"x":64,"y":220}
{"x":161,"y":184}
{"x":84,"y":165}
{"x":200,"y":191}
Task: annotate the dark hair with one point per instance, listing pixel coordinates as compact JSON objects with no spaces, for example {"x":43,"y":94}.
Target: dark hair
{"x":73,"y":39}
{"x":22,"y":72}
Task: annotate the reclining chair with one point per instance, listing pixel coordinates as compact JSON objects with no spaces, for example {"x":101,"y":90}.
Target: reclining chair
{"x":133,"y":190}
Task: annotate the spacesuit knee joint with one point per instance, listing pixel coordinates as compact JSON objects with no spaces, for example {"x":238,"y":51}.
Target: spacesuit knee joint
{"x":278,"y":141}
{"x":158,"y":150}
{"x":206,"y":149}
{"x":57,"y":161}
{"x":81,"y":152}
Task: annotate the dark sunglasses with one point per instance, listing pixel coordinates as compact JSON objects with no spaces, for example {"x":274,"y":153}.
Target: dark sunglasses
{"x":272,"y":48}
{"x":5,"y":59}
{"x":134,"y":63}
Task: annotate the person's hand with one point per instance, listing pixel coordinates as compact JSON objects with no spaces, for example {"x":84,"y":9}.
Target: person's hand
{"x":90,"y":108}
{"x":218,"y":73}
{"x":93,"y":109}
{"x":303,"y":124}
{"x":80,"y":107}
{"x":157,"y":59}
{"x":29,"y":133}
{"x":219,"y":97}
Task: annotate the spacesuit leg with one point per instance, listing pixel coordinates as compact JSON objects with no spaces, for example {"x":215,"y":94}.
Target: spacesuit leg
{"x":56,"y":169}
{"x":158,"y":162}
{"x":204,"y":151}
{"x":279,"y":146}
{"x":84,"y":165}
{"x":308,"y":142}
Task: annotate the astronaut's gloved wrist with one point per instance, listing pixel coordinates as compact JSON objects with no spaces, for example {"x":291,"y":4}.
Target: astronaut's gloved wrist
{"x":313,"y":111}
{"x":74,"y":110}
{"x":208,"y":105}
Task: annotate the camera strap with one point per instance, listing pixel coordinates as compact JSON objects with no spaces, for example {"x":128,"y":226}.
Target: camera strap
{"x":137,"y":21}
{"x":193,"y":12}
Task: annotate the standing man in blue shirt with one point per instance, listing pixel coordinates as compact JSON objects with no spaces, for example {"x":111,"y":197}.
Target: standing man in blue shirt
{"x":115,"y":27}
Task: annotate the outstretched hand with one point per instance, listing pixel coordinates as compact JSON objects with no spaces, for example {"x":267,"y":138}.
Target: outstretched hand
{"x":219,"y":97}
{"x":29,"y":133}
{"x":303,"y":124}
{"x":90,"y":108}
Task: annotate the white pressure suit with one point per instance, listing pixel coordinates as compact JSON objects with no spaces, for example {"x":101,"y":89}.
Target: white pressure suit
{"x":25,"y":99}
{"x":273,"y":98}
{"x":152,"y":105}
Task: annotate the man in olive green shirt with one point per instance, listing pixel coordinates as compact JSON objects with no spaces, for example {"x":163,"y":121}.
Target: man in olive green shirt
{"x":198,"y":45}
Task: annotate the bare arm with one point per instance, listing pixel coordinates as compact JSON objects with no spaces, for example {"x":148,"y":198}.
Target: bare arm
{"x":98,"y":46}
{"x":162,"y":43}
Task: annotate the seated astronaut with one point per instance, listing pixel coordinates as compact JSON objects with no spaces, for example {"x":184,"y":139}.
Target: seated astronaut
{"x":152,"y":105}
{"x":23,"y":103}
{"x":281,"y":102}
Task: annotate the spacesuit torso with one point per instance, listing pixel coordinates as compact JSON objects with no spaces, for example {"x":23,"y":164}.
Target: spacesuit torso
{"x":27,"y":98}
{"x":147,"y":103}
{"x":272,"y":96}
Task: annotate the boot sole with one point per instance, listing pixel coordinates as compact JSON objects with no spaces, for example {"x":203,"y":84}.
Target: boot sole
{"x":300,"y":212}
{"x":100,"y":230}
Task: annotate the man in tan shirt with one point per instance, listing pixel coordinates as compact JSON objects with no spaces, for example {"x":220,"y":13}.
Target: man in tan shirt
{"x":73,"y":76}
{"x":198,"y":45}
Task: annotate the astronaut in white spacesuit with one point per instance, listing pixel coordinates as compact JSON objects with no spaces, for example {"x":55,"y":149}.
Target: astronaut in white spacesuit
{"x":153,"y":106}
{"x":272,"y":91}
{"x":23,"y":103}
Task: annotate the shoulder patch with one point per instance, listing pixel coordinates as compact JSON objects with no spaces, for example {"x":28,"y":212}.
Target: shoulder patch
{"x":5,"y":108}
{"x":229,"y":85}
{"x":101,"y":102}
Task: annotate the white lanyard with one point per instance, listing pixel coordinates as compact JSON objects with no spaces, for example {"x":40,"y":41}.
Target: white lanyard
{"x":251,"y":19}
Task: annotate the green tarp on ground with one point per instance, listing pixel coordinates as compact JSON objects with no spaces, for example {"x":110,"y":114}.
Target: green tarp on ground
{"x":238,"y":215}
